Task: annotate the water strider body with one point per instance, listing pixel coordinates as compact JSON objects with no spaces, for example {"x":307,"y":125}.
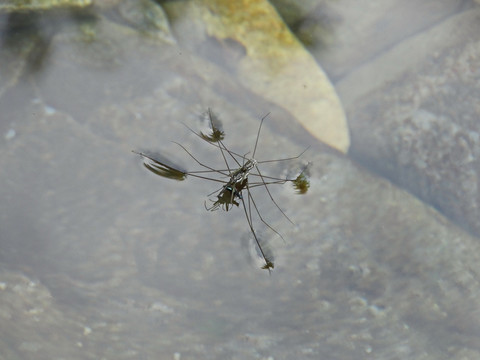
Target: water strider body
{"x":227,"y":195}
{"x":234,"y":179}
{"x":233,"y":188}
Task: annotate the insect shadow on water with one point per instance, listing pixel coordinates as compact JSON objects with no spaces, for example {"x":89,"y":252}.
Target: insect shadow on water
{"x":233,"y":180}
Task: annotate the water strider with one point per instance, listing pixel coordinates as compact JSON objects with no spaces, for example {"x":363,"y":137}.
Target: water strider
{"x":233,"y":179}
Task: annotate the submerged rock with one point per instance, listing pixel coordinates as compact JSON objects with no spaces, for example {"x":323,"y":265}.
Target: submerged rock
{"x":420,"y":129}
{"x":37,"y":5}
{"x":102,"y":259}
{"x":250,"y":40}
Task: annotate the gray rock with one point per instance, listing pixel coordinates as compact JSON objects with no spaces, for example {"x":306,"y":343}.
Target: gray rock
{"x":346,"y":34}
{"x":421,"y":131}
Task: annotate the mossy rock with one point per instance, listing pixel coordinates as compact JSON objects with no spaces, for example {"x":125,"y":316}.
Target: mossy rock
{"x":13,"y":6}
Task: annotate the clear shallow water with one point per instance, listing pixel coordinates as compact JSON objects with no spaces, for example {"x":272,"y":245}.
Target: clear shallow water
{"x":101,"y":258}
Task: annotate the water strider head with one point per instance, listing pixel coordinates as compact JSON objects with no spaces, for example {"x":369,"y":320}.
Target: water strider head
{"x":243,"y":172}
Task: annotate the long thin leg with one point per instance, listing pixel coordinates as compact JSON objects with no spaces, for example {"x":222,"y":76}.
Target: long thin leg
{"x":222,"y":145}
{"x":271,"y":197}
{"x":284,"y":159}
{"x":260,"y":216}
{"x":157,"y":167}
{"x":200,"y":163}
{"x":258,"y":135}
{"x":222,"y":149}
{"x":268,"y":263}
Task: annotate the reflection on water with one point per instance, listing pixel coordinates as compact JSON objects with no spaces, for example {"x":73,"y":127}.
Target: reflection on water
{"x":100,"y":259}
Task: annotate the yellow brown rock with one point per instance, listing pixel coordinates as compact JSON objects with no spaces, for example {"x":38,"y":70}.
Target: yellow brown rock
{"x":277,"y":67}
